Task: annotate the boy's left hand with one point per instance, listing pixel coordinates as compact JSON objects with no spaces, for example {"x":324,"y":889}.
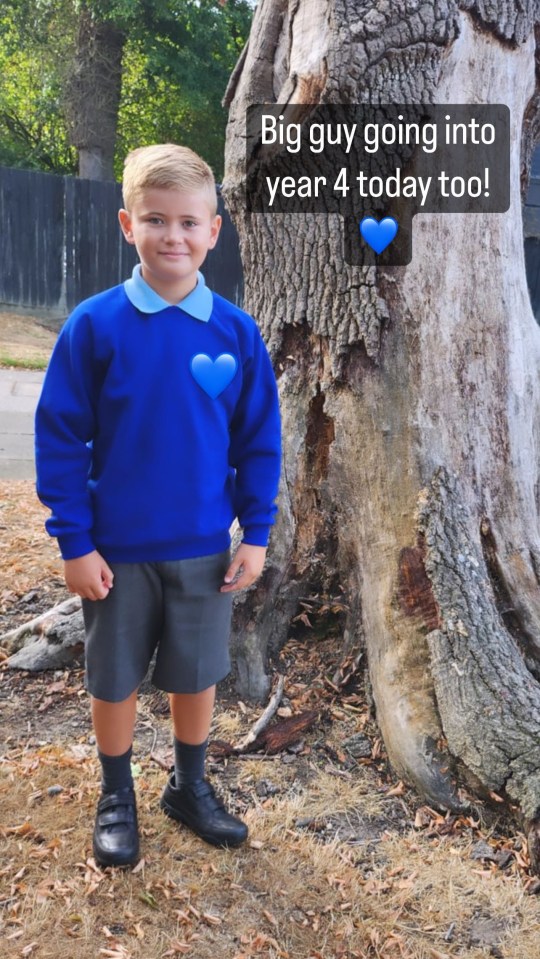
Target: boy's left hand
{"x":248,"y":559}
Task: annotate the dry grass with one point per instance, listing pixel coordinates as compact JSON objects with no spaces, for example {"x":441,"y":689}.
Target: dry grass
{"x":27,"y":555}
{"x":24,"y":342}
{"x":342,"y":862}
{"x":287,"y":893}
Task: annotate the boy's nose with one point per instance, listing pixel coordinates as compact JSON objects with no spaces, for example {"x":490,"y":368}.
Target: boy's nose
{"x":175,"y":233}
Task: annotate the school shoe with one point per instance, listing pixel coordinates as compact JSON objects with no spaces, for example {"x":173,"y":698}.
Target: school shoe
{"x":116,"y":846}
{"x":197,"y":806}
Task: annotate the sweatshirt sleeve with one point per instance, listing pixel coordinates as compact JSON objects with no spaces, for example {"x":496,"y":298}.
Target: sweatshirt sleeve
{"x":255,"y":446}
{"x":64,"y":428}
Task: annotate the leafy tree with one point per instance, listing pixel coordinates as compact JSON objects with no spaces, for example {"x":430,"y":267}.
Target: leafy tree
{"x":91,"y":79}
{"x":175,"y":77}
{"x":34,"y":49}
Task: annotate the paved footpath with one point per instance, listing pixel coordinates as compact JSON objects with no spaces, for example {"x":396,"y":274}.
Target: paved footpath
{"x":19,"y":393}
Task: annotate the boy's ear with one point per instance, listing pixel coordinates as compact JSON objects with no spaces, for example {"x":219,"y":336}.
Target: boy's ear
{"x":214,"y":231}
{"x":125,"y":224}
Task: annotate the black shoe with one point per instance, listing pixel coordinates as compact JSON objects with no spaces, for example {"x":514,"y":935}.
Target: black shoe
{"x":197,"y":806}
{"x":116,"y":834}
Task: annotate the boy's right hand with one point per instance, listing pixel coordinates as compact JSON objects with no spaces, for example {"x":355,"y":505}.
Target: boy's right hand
{"x":88,"y":576}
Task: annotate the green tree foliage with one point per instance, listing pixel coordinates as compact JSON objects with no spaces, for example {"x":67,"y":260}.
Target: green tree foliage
{"x":175,"y":77}
{"x":177,"y":59}
{"x":35,"y":48}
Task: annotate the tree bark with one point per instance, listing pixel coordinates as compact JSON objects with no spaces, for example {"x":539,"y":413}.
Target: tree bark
{"x":410,"y":402}
{"x":93,"y":94}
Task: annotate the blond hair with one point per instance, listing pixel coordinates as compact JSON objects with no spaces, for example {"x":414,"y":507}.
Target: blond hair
{"x":170,"y":167}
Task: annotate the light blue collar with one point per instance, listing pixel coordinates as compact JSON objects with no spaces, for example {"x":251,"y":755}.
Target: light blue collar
{"x":198,"y":303}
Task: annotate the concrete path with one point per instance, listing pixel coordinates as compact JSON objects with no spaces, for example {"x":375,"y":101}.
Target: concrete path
{"x":19,"y":393}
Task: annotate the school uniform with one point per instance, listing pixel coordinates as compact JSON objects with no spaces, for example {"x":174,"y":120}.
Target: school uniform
{"x":157,"y":425}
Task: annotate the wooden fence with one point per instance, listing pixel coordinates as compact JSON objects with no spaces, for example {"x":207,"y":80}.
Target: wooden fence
{"x":60,"y":242}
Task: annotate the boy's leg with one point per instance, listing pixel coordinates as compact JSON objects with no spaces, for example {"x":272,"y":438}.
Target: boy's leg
{"x":121,"y":634}
{"x":116,"y":836}
{"x":113,"y":727}
{"x":193,"y":655}
{"x":191,"y":716}
{"x":114,"y":724}
{"x":188,"y":796}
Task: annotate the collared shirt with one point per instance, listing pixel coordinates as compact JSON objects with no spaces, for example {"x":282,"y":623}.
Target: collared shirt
{"x":198,"y":303}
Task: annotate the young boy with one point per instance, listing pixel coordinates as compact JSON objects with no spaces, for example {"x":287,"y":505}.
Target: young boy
{"x":158,"y":423}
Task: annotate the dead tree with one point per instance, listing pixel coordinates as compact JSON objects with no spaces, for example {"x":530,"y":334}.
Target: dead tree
{"x":410,"y":401}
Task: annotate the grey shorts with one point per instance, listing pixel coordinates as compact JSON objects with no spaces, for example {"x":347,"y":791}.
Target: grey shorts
{"x":173,"y":606}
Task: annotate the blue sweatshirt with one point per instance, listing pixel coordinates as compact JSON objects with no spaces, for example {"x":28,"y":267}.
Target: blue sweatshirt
{"x":156,"y":426}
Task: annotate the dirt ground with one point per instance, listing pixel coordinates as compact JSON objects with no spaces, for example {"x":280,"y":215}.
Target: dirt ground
{"x":343,"y":860}
{"x":24,"y":341}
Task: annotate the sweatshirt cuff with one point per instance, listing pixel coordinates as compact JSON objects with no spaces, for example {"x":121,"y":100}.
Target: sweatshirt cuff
{"x":73,"y":545}
{"x":256,"y":535}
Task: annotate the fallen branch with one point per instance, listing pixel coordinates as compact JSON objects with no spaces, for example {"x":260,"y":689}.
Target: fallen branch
{"x":160,"y":762}
{"x":285,"y":733}
{"x":277,"y":738}
{"x":16,"y":638}
{"x":264,"y":719}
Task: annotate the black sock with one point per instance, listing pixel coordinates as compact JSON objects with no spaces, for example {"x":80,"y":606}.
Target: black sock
{"x":188,"y":761}
{"x":115,"y":771}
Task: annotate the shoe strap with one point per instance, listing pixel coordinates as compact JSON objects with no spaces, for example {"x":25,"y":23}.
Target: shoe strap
{"x":122,"y":797}
{"x":121,"y":816}
{"x":202,"y":789}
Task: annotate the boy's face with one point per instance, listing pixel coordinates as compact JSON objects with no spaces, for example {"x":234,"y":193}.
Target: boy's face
{"x":172,"y":231}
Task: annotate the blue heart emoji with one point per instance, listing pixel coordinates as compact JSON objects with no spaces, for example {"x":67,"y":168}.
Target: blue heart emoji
{"x":378,"y":235}
{"x":213,"y":375}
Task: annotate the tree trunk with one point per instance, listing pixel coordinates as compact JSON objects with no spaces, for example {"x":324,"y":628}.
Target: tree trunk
{"x":93,"y":95}
{"x":410,"y":402}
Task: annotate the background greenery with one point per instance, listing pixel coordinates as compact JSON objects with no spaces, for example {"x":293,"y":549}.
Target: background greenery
{"x":176,"y":63}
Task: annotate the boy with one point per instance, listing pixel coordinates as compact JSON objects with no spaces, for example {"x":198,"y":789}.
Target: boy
{"x":158,"y":423}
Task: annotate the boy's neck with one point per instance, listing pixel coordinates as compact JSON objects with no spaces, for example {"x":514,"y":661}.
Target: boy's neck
{"x":173,"y":293}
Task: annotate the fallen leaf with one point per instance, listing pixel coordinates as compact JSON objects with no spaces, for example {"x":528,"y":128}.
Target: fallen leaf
{"x":28,"y":950}
{"x":211,"y":920}
{"x":398,"y":790}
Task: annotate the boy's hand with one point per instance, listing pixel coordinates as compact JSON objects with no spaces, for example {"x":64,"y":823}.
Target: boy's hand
{"x":248,"y":559}
{"x":88,"y":576}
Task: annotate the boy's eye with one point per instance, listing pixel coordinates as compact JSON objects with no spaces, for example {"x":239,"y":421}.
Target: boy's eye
{"x":190,"y":223}
{"x":155,"y":219}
